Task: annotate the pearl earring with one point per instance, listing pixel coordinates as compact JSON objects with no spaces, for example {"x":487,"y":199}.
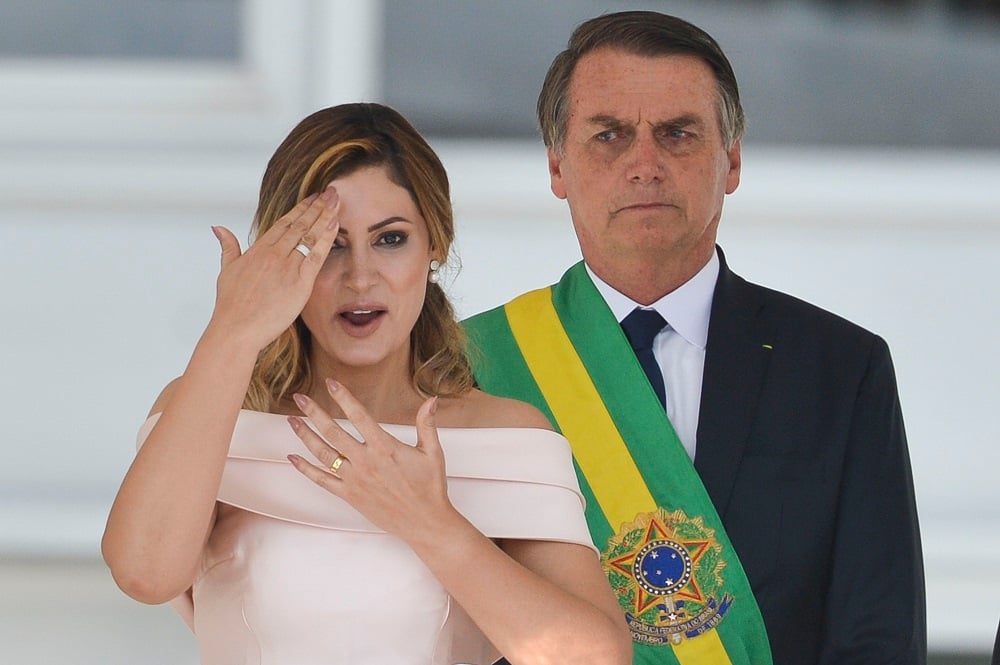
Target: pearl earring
{"x":433,"y":276}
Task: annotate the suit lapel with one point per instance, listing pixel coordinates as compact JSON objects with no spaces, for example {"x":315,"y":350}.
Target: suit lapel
{"x":736,"y":361}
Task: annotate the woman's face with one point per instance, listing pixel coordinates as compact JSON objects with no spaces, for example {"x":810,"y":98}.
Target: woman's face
{"x":370,"y":291}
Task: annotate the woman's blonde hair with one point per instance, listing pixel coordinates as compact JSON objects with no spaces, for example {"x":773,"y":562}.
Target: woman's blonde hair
{"x":330,"y":144}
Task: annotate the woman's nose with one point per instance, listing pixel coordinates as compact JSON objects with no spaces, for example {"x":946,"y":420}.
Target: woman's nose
{"x":361,"y":272}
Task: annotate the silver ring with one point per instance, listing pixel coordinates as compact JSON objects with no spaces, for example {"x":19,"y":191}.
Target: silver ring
{"x":303,"y":249}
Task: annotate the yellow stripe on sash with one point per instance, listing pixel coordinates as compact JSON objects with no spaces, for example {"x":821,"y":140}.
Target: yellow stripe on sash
{"x":578,"y":408}
{"x":584,"y":419}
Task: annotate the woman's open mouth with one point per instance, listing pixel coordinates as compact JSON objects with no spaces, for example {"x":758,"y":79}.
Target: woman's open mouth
{"x":361,"y":322}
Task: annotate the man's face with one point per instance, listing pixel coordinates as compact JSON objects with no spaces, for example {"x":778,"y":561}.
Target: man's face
{"x":643,"y":165}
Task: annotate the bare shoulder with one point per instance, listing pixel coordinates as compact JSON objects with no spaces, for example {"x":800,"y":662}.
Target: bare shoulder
{"x":161,"y":402}
{"x":479,"y":409}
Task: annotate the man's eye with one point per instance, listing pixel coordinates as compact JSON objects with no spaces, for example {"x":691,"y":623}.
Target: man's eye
{"x":607,"y":135}
{"x":677,"y":134}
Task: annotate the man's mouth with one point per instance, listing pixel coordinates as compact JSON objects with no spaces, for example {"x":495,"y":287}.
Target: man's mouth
{"x":651,"y":205}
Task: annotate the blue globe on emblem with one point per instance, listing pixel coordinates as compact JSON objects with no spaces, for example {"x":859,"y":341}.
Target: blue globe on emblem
{"x":662,"y":567}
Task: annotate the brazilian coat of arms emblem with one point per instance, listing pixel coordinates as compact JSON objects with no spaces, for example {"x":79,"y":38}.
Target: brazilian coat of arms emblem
{"x":666,"y":569}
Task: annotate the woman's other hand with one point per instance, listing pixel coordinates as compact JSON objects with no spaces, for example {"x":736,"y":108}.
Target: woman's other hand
{"x":400,"y":488}
{"x":261,"y":291}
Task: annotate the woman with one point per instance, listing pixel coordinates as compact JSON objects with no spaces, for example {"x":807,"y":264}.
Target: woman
{"x":290,"y":493}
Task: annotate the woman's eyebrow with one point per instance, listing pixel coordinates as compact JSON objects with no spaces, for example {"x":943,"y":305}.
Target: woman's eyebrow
{"x":378,"y":225}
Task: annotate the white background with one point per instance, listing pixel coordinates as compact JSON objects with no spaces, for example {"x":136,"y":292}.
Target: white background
{"x":109,"y":267}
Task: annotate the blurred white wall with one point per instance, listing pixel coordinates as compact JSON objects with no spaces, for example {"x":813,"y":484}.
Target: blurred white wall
{"x":109,"y":268}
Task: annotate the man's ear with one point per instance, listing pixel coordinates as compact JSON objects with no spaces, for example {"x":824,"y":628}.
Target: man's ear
{"x":555,"y":174}
{"x":735,"y":163}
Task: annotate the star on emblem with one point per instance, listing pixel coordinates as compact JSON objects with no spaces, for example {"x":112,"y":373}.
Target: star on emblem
{"x":666,"y":569}
{"x":653,"y":585}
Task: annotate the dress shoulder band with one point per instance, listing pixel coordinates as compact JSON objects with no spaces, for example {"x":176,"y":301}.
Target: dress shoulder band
{"x":510,"y":482}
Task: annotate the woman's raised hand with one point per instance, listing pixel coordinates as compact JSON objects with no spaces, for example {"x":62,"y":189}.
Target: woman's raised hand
{"x":260,"y":292}
{"x":398,"y":487}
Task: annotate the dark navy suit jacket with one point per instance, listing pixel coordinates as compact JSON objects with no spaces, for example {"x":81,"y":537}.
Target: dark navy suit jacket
{"x":802,"y":449}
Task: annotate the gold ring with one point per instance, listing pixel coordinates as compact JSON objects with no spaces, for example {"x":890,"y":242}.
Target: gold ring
{"x":337,"y":463}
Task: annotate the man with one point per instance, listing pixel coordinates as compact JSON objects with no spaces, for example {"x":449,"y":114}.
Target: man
{"x":794,"y":531}
{"x":996,"y":648}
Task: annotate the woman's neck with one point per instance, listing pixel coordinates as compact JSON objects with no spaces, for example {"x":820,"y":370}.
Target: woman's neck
{"x":387,"y":393}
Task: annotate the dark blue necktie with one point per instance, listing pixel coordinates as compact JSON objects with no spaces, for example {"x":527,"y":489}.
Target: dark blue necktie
{"x":641,"y":326}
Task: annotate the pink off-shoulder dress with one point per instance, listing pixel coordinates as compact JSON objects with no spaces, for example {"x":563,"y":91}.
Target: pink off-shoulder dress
{"x":292,"y":575}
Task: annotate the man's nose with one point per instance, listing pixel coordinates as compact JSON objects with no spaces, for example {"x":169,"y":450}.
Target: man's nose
{"x":645,"y":160}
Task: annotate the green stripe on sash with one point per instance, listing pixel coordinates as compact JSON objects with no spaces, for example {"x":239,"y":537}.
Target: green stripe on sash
{"x":501,"y":370}
{"x":566,"y":385}
{"x":562,"y":350}
{"x":622,"y":384}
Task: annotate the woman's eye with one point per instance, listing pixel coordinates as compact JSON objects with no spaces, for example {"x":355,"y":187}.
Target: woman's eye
{"x":392,"y":238}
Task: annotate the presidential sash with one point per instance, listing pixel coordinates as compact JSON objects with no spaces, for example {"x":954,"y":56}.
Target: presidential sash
{"x":684,"y":593}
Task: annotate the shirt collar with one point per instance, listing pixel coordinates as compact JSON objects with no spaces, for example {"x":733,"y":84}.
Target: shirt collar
{"x":687,"y":308}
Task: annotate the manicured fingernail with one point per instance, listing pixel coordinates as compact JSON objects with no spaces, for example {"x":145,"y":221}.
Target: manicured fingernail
{"x":332,"y":385}
{"x":328,"y":193}
{"x":434,"y":406}
{"x":294,"y":459}
{"x":301,"y":400}
{"x":294,"y":422}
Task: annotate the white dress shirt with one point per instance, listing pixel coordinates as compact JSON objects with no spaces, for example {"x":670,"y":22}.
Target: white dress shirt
{"x":679,"y":348}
